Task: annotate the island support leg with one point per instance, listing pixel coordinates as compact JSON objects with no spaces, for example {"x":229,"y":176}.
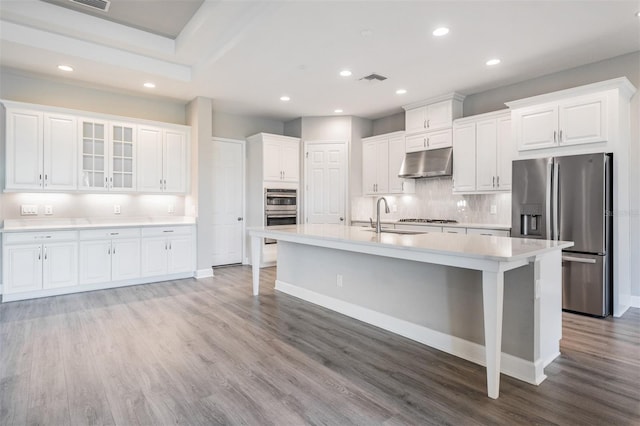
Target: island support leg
{"x":492,"y":301}
{"x":256,"y":245}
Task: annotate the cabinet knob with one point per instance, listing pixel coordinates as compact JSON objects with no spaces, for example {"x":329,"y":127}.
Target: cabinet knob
{"x":341,"y":219}
{"x":239,"y":219}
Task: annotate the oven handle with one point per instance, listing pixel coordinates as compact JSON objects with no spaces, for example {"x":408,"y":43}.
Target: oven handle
{"x":279,"y":195}
{"x":270,"y":216}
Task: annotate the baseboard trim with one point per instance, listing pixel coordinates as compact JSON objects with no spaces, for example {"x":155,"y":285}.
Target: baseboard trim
{"x":527,"y":371}
{"x":204,"y":273}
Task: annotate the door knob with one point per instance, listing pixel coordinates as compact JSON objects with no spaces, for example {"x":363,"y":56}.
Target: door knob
{"x":239,"y":219}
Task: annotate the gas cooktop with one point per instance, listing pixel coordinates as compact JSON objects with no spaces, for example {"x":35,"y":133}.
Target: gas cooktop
{"x":429,"y":220}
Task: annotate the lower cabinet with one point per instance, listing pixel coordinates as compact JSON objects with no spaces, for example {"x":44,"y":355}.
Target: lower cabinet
{"x":38,"y":261}
{"x":109,"y":255}
{"x":166,"y":251}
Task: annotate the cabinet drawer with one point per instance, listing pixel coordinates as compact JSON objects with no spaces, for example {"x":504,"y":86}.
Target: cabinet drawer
{"x":166,"y":231}
{"x":492,"y":232}
{"x":420,"y":228}
{"x":39,"y":237}
{"x":109,"y":233}
{"x":453,"y":230}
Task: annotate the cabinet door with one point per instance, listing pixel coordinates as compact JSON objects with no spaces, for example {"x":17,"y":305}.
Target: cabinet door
{"x":154,"y":256}
{"x":60,"y":152}
{"x":22,"y":268}
{"x":382,"y":172}
{"x":439,"y":139}
{"x":439,"y":115}
{"x":416,"y":143}
{"x":272,"y":155}
{"x":125,"y":259}
{"x":416,"y":120}
{"x":94,"y":155}
{"x":24,"y":150}
{"x":290,"y":160}
{"x":488,"y":232}
{"x":486,"y":153}
{"x":396,"y":157}
{"x":123,"y":158}
{"x":464,"y":155}
{"x":180,"y":256}
{"x":149,"y":160}
{"x":369,"y":165}
{"x":583,"y":120}
{"x":505,"y":154}
{"x":175,"y":161}
{"x":60,"y":265}
{"x":536,"y":127}
{"x":95,"y":261}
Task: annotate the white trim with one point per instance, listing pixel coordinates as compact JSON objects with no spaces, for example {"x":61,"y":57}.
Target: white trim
{"x":527,"y":371}
{"x":449,"y":96}
{"x":91,"y":287}
{"x":204,"y":273}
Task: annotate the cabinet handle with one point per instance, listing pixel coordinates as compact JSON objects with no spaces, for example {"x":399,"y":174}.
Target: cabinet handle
{"x":554,"y":136}
{"x":428,"y":142}
{"x":169,"y":245}
{"x":424,"y":124}
{"x":428,"y":123}
{"x":165,"y":245}
{"x":40,"y":177}
{"x":498,"y":181}
{"x":493,"y":182}
{"x":168,"y":230}
{"x":560,"y":136}
{"x":39,"y":253}
{"x":109,"y":250}
{"x":114,"y":250}
{"x":114,"y":233}
{"x":165,"y":184}
{"x":45,"y":252}
{"x":161,"y":184}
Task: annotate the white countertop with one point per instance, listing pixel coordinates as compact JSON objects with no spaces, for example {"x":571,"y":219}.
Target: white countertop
{"x":501,"y":249}
{"x":496,"y":226}
{"x":20,"y":225}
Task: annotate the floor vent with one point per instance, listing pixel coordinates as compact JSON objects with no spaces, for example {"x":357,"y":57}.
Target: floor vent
{"x":101,"y":5}
{"x":374,"y":77}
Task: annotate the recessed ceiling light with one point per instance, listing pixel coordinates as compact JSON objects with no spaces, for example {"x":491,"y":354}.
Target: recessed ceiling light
{"x":439,"y":32}
{"x":285,"y":98}
{"x":337,"y":111}
{"x":491,"y":62}
{"x":345,"y":73}
{"x":401,"y":91}
{"x":638,"y":14}
{"x":65,"y":68}
{"x":149,"y":85}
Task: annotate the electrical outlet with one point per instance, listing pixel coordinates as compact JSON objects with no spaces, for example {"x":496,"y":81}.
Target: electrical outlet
{"x":394,"y":208}
{"x":339,"y":280}
{"x":29,"y":210}
{"x":171,"y":209}
{"x":116,"y":209}
{"x":48,"y":210}
{"x":494,"y":209}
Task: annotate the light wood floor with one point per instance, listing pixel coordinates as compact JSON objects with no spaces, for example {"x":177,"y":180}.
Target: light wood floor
{"x":207,"y":352}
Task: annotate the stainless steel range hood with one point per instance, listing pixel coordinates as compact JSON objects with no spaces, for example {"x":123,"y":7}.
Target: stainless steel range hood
{"x":426,"y":164}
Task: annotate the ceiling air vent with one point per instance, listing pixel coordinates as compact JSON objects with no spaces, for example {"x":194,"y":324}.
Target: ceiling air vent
{"x":374,"y":77}
{"x":102,"y":5}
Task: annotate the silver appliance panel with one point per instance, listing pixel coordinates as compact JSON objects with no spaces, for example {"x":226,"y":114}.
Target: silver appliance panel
{"x":582,"y":207}
{"x":531,"y":198}
{"x":584,"y":284}
{"x":280,"y":208}
{"x":430,"y":163}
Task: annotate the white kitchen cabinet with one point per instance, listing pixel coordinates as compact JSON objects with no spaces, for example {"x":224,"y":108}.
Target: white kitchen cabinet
{"x":433,"y":116}
{"x":166,"y":250}
{"x":429,"y":140}
{"x":464,"y":155}
{"x":382,"y":157}
{"x":573,"y":121}
{"x":162,"y":160}
{"x":281,"y":156}
{"x":35,"y":261}
{"x":482,"y":153}
{"x":453,"y":230}
{"x":122,"y":150}
{"x":109,"y":255}
{"x":94,"y":174}
{"x":489,"y":232}
{"x":41,"y":150}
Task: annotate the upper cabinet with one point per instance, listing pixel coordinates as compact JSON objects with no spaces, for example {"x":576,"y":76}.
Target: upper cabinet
{"x":428,"y":123}
{"x":40,"y":150}
{"x":280,"y":157}
{"x":583,"y":115}
{"x":483,"y":152}
{"x":52,"y":149}
{"x":382,"y":157}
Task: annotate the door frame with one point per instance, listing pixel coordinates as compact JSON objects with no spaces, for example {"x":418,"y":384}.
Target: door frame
{"x":304,"y":184}
{"x":243,"y":144}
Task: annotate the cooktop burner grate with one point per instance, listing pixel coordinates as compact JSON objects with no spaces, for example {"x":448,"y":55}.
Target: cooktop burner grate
{"x":412,"y":220}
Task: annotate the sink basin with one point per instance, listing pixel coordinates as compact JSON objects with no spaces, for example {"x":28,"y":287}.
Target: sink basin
{"x":397,"y":231}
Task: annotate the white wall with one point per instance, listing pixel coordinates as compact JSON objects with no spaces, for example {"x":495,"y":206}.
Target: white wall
{"x":391,"y":123}
{"x":234,"y":126}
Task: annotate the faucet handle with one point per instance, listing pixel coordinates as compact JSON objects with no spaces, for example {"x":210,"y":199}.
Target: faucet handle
{"x":371,"y":222}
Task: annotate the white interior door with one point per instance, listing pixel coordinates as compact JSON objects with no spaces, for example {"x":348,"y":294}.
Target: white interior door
{"x":228,"y":201}
{"x":325,"y":185}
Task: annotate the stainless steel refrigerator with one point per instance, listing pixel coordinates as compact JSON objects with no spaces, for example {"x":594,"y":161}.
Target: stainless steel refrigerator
{"x":569,"y":198}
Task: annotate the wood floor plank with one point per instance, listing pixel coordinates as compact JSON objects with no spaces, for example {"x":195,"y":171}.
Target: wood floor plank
{"x":207,"y":352}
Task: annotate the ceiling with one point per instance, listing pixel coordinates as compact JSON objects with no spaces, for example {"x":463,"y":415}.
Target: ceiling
{"x":245,"y":55}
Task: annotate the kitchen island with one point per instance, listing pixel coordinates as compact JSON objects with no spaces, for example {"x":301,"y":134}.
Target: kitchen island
{"x":448,"y":291}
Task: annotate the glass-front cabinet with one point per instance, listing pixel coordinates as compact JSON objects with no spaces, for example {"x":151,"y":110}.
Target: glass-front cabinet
{"x":108,"y":156}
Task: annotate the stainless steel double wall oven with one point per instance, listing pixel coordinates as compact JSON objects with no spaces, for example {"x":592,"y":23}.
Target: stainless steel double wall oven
{"x":280,"y":208}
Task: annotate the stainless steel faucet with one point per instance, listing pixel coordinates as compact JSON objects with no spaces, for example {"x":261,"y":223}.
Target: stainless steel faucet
{"x":386,"y":210}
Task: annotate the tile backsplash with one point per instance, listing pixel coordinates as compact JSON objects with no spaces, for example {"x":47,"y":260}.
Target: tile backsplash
{"x":434,"y":199}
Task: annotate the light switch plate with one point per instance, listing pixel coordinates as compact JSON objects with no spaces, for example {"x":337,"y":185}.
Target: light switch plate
{"x":171,"y":209}
{"x":116,"y":208}
{"x":494,"y":209}
{"x":48,"y":210}
{"x":29,"y":210}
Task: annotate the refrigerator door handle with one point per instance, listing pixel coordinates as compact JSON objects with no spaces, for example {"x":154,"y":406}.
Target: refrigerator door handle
{"x":556,"y":200}
{"x":578,"y":259}
{"x":549,"y":200}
